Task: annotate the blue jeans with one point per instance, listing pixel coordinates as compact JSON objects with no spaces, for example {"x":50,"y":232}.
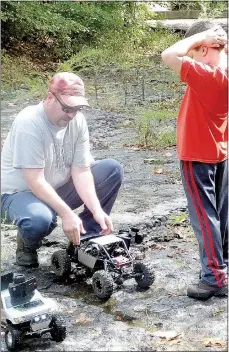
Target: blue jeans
{"x":35,"y":219}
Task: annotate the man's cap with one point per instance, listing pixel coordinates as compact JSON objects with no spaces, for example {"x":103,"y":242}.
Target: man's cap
{"x":68,"y":83}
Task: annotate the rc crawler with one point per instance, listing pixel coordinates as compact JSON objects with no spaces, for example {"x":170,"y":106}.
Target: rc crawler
{"x":106,"y":259}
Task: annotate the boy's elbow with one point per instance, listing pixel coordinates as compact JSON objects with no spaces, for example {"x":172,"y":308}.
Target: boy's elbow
{"x":165,"y":56}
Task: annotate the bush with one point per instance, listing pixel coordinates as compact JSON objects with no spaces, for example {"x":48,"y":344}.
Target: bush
{"x":56,"y":30}
{"x":19,"y":74}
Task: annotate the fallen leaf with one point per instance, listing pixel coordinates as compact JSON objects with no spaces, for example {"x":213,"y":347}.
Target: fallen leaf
{"x":168,"y":154}
{"x":174,"y":341}
{"x":70,"y":311}
{"x":168,"y":335}
{"x":118,"y":317}
{"x":134,"y":148}
{"x":178,"y":233}
{"x":158,"y":171}
{"x":82,"y":319}
{"x":214,"y":342}
{"x":152,"y":161}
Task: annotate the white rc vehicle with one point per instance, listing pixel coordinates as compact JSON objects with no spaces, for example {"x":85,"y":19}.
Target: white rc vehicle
{"x":26,"y":313}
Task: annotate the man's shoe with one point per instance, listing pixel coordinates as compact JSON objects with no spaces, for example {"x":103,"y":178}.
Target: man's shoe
{"x":203,"y":291}
{"x":26,"y":256}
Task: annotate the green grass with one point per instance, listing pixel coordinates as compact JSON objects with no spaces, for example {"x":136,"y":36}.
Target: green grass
{"x":21,"y":79}
{"x":154,"y":126}
{"x":178,"y":219}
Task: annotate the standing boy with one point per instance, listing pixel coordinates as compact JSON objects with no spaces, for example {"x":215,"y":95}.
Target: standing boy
{"x":201,"y":61}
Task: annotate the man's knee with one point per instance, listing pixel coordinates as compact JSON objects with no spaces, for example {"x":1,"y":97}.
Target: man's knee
{"x":36,"y":226}
{"x":113,"y":169}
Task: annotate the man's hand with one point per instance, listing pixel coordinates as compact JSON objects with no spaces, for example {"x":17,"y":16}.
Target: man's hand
{"x":73,"y":227}
{"x":214,"y":37}
{"x":104,"y":221}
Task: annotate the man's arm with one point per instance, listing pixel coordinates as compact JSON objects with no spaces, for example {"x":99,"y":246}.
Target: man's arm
{"x":85,"y":187}
{"x":173,"y":55}
{"x":72,"y":225}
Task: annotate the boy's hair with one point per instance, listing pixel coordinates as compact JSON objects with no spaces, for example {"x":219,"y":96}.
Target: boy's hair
{"x":201,"y":26}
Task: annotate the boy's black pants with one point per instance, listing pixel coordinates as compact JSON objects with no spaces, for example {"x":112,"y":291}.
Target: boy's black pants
{"x":206,"y":188}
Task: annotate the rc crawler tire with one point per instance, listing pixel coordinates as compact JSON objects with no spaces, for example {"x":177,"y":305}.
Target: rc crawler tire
{"x":61,"y":264}
{"x":58,"y":331}
{"x":13,"y":338}
{"x":145,"y":275}
{"x":102,"y":284}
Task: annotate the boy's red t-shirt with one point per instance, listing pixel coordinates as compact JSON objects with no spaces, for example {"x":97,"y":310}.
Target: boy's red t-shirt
{"x":202,"y":131}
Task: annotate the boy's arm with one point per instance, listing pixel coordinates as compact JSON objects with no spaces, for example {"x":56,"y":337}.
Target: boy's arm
{"x":173,"y":55}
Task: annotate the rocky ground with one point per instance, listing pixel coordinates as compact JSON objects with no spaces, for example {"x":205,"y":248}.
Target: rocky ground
{"x":161,"y":318}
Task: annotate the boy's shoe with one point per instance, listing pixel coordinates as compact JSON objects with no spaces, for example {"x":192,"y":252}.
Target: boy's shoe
{"x":203,"y":291}
{"x":26,"y":256}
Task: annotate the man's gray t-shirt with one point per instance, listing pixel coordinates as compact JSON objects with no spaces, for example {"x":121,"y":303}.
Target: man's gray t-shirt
{"x":33,"y":142}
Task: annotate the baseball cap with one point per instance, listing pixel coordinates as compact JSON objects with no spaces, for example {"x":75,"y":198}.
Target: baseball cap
{"x":68,"y":83}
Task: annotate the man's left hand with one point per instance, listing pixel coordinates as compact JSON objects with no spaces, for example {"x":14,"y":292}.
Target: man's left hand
{"x":104,"y":221}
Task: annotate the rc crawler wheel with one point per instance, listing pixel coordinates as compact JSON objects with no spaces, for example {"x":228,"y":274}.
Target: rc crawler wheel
{"x":61,"y":264}
{"x":58,"y":331}
{"x":102,"y":284}
{"x":13,"y":338}
{"x":144,"y":275}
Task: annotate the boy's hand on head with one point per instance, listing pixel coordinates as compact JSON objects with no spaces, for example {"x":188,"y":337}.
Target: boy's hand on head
{"x":214,"y":37}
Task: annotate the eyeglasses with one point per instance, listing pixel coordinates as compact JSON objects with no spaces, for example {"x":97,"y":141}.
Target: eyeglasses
{"x":69,"y":109}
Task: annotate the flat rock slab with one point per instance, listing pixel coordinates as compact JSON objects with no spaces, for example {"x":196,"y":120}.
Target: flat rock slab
{"x":182,"y":24}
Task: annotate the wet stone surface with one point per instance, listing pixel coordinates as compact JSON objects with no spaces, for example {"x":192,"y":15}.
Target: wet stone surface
{"x":161,"y":318}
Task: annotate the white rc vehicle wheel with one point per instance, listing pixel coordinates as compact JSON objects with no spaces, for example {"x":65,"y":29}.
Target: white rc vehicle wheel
{"x":13,"y":338}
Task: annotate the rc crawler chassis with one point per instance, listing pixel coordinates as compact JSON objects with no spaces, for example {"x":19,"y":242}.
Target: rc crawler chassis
{"x":106,"y":259}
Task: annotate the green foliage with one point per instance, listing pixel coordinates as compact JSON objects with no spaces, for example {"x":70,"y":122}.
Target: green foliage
{"x":181,"y":5}
{"x":58,"y":29}
{"x":18,"y":73}
{"x":207,"y":8}
{"x":175,"y":220}
{"x":212,"y":9}
{"x":116,"y":51}
{"x":154,"y":126}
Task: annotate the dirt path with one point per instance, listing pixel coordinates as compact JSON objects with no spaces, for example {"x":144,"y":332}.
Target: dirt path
{"x":162,"y":318}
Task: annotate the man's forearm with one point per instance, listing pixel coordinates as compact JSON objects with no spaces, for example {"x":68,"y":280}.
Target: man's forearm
{"x":45,"y":192}
{"x":85,"y":187}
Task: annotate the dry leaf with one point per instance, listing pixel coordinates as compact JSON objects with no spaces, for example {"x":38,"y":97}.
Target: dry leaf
{"x":158,"y":171}
{"x":82,"y":319}
{"x":174,"y":341}
{"x":168,"y":335}
{"x":214,"y":342}
{"x":118,"y":317}
{"x":70,"y":311}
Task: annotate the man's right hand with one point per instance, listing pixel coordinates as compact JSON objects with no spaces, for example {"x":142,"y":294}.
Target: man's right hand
{"x":73,"y":227}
